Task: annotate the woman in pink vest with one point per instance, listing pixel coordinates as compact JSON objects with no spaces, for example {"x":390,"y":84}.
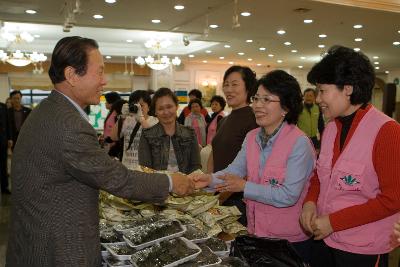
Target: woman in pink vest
{"x":354,"y":196}
{"x":218,"y":104}
{"x":274,"y":165}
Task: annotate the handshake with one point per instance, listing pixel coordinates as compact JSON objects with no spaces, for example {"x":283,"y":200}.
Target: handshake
{"x":184,"y":185}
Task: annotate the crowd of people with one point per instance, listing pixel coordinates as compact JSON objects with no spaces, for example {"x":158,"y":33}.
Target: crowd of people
{"x":319,"y":169}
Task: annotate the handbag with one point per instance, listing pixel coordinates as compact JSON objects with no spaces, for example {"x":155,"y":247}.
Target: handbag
{"x":262,"y":251}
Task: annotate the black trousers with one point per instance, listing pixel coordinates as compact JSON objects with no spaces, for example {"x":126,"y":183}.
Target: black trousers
{"x":324,"y":256}
{"x":3,"y":166}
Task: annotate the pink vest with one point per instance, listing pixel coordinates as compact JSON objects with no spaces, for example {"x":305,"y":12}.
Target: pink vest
{"x":353,"y":181}
{"x":264,"y":220}
{"x":109,"y":124}
{"x":212,"y":128}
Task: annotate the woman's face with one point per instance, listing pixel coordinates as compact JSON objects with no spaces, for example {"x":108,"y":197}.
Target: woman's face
{"x":267,"y":109}
{"x":145,"y":107}
{"x":166,"y":110}
{"x":235,"y":92}
{"x":333,"y":101}
{"x":108,"y":106}
{"x":195,"y":108}
{"x":215,"y":106}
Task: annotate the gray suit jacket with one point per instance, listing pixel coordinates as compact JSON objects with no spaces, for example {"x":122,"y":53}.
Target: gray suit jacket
{"x":58,"y":168}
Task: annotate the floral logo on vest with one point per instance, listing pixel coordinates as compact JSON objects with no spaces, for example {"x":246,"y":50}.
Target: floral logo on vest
{"x":274,"y":182}
{"x":349,"y":180}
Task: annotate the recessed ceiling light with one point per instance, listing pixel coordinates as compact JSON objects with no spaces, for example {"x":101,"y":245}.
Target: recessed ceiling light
{"x":356,"y":49}
{"x":321,"y":46}
{"x":308,"y":21}
{"x":270,"y":55}
{"x":36,"y":35}
{"x":221,"y":57}
{"x":300,"y":67}
{"x":30,"y":11}
{"x":179,"y":7}
{"x":281,"y":32}
{"x":191,"y":56}
{"x":249,"y":41}
{"x":357,"y":26}
{"x":240,"y":53}
{"x":110,"y":1}
{"x":303,"y":57}
{"x":358,"y":39}
{"x":245,"y":14}
{"x":250,"y":59}
{"x":129,"y":41}
{"x":213,"y":26}
{"x":386,"y":71}
{"x":287,"y":43}
{"x":398,"y":31}
{"x":108,"y":57}
{"x":156,"y":21}
{"x":262,"y":48}
{"x":279,"y":61}
{"x":258,"y":64}
{"x":376,"y":63}
{"x":377,"y":68}
{"x":396,"y":43}
{"x":231,"y":62}
{"x":294,"y":51}
{"x":204,"y":61}
{"x":98,"y":16}
{"x":208,"y":51}
{"x":322,"y":36}
{"x":227,"y":46}
{"x":375,"y":57}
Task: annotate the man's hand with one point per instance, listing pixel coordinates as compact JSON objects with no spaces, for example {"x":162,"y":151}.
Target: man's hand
{"x":322,"y":227}
{"x":125,"y":110}
{"x":200,"y":180}
{"x":181,"y":184}
{"x":232,"y":183}
{"x":139,"y":114}
{"x":395,"y":237}
{"x":308,"y":216}
{"x":10,"y":143}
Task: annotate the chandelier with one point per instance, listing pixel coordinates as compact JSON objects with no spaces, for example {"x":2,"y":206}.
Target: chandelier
{"x":19,"y":58}
{"x":157,"y":62}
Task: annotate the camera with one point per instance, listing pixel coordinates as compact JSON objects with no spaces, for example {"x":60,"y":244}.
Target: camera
{"x":133,"y":108}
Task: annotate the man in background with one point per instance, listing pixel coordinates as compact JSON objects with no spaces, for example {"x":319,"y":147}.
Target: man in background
{"x":17,"y":115}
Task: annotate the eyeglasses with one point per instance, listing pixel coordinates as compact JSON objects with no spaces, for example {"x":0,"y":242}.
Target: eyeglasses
{"x":263,"y":99}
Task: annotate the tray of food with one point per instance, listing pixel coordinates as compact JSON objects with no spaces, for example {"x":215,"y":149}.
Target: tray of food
{"x":123,"y":226}
{"x":204,"y":259}
{"x":195,"y":234}
{"x":146,"y":235}
{"x":218,"y":246}
{"x":110,"y":236}
{"x":120,"y":251}
{"x":113,"y":262}
{"x":161,"y":255}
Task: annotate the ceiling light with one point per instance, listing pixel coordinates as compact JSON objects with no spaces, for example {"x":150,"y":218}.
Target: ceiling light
{"x":213,"y":26}
{"x":240,"y":53}
{"x":357,"y":26}
{"x":356,"y":49}
{"x":20,"y":59}
{"x":303,"y":57}
{"x":98,"y":16}
{"x":279,"y":61}
{"x":375,"y":57}
{"x":300,"y":67}
{"x":249,"y":41}
{"x":204,"y":61}
{"x":396,"y":43}
{"x":376,"y":63}
{"x":258,"y":64}
{"x":322,"y":36}
{"x":321,"y":46}
{"x":250,"y":59}
{"x":377,"y":68}
{"x":110,"y":1}
{"x":179,"y":7}
{"x":227,"y":46}
{"x":358,"y":39}
{"x":157,"y":62}
{"x":108,"y":57}
{"x":221,"y":57}
{"x":129,"y":41}
{"x":287,"y":43}
{"x":262,"y":48}
{"x":191,"y":56}
{"x":294,"y":51}
{"x":281,"y":32}
{"x":208,"y":51}
{"x":308,"y":21}
{"x":30,"y":11}
{"x":386,"y":71}
{"x":231,"y":62}
{"x":270,"y":55}
{"x":245,"y":14}
{"x":36,"y":35}
{"x":156,"y":21}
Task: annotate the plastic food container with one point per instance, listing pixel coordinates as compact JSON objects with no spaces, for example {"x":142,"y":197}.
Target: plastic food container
{"x":114,"y":254}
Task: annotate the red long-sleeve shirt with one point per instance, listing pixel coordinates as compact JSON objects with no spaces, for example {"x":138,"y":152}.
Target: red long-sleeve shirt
{"x":386,"y":161}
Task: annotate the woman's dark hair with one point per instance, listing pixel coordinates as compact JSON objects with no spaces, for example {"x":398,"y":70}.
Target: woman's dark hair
{"x":248,"y":76}
{"x":117,"y":106}
{"x":141,"y":94}
{"x":112,"y":97}
{"x":15,"y":92}
{"x":70,"y":51}
{"x":344,"y":66}
{"x":163,"y":91}
{"x":286,"y":87}
{"x":196,"y":93}
{"x":220,"y":100}
{"x":196,"y":100}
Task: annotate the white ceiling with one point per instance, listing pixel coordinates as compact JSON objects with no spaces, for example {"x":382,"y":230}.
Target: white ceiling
{"x":127,"y":18}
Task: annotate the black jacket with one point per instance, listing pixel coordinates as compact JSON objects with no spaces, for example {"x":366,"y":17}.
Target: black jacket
{"x":14,"y":133}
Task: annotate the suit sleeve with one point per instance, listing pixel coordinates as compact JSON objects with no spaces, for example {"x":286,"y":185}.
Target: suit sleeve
{"x":88,"y":163}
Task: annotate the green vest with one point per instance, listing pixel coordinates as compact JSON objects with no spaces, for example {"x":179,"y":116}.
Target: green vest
{"x":308,"y":121}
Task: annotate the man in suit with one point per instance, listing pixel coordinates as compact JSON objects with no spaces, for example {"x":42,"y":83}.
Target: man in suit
{"x":5,"y":140}
{"x":58,"y":168}
{"x":17,"y":114}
